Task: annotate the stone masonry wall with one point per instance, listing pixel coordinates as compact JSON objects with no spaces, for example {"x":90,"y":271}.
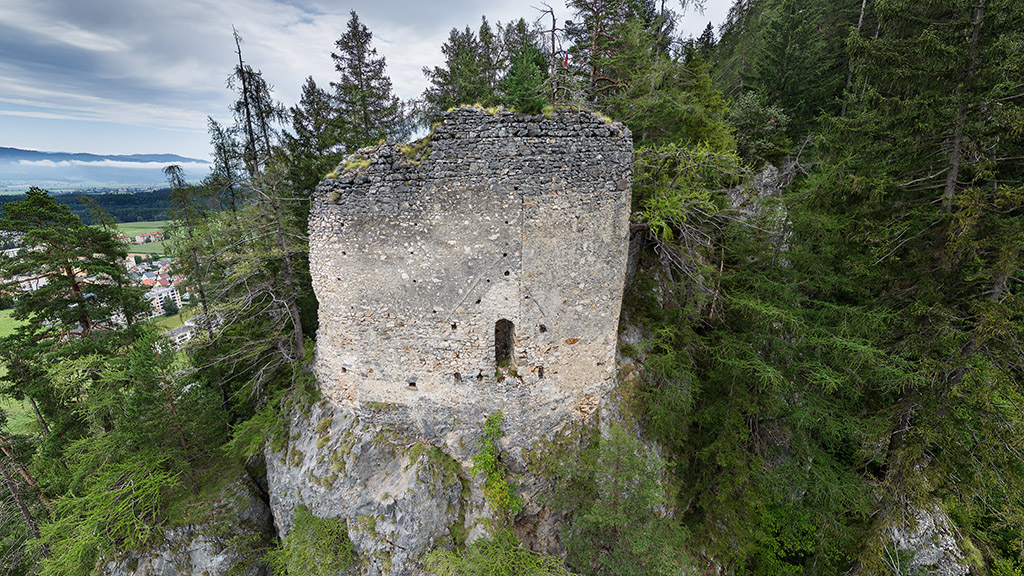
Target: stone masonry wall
{"x":417,"y":254}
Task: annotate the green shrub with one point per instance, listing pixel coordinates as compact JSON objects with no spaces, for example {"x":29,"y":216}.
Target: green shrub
{"x":760,"y":129}
{"x":268,"y":425}
{"x":116,"y":512}
{"x":503,"y":555}
{"x":314,"y":547}
{"x":499,"y":492}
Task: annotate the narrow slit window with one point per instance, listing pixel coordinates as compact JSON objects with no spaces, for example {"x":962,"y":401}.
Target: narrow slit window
{"x":504,"y":342}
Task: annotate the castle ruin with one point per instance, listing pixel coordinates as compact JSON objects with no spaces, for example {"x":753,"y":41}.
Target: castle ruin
{"x":479,"y":270}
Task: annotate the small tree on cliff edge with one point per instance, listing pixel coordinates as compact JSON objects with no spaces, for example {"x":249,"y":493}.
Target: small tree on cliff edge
{"x":313,"y":145}
{"x":366,"y":107}
{"x":256,"y":113}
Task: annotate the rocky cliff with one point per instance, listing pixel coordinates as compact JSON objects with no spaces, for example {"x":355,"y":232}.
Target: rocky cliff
{"x":231,"y":542}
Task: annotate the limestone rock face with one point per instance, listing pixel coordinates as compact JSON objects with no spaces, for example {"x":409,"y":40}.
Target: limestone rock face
{"x":929,"y":537}
{"x":233,"y":542}
{"x":399,"y":497}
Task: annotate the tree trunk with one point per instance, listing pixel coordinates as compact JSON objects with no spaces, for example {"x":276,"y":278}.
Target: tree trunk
{"x":252,"y":163}
{"x":83,"y":317}
{"x":39,"y":416}
{"x":289,"y":281}
{"x":198,"y":278}
{"x":6,"y":449}
{"x":956,"y":154}
{"x":849,"y":75}
{"x":21,"y":503}
{"x":554,"y":62}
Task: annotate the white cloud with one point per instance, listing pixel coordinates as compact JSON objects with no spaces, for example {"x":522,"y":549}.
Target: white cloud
{"x":55,"y":31}
{"x":109,"y":164}
{"x":64,"y":102}
{"x":41,"y":115}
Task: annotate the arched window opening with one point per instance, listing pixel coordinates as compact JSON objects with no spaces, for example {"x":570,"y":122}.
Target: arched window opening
{"x":504,"y":342}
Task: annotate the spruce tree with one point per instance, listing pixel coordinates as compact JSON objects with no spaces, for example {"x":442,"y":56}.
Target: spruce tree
{"x":256,"y":113}
{"x":366,"y":108}
{"x":604,"y":38}
{"x":521,"y":88}
{"x":251,"y":277}
{"x":660,"y":97}
{"x":468,"y":75}
{"x":791,"y":69}
{"x":926,"y":191}
{"x":705,"y":43}
{"x":226,"y":175}
{"x":313,"y":146}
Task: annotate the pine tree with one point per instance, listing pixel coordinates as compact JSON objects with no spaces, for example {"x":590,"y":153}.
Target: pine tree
{"x":521,"y":87}
{"x":313,"y":147}
{"x":705,"y":43}
{"x":256,"y":113}
{"x":69,"y":279}
{"x":791,"y":51}
{"x":663,"y":98}
{"x":925,"y":189}
{"x":615,"y":488}
{"x":191,"y":240}
{"x":85,"y":322}
{"x":737,"y":45}
{"x":469,"y":74}
{"x":788,"y":69}
{"x":251,"y":277}
{"x":493,"y":54}
{"x":606,"y":34}
{"x":225,"y":176}
{"x":800,"y":62}
{"x":366,"y":107}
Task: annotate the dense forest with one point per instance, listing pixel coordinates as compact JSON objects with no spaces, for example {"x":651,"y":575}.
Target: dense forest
{"x":819,"y":361}
{"x":122,"y":207}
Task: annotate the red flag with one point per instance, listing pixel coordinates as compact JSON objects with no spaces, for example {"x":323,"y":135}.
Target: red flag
{"x":566,"y":61}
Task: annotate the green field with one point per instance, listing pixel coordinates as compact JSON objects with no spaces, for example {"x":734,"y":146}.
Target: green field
{"x":170,"y":322}
{"x":133,"y":228}
{"x":7,"y":324}
{"x":149,"y":249}
{"x":19,"y":414}
{"x":20,"y":419}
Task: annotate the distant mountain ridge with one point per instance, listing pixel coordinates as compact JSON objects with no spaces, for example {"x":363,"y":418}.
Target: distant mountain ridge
{"x":77,"y":171}
{"x":16,"y":154}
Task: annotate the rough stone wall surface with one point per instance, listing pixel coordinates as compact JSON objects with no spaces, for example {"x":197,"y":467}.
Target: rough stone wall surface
{"x":416,"y":256}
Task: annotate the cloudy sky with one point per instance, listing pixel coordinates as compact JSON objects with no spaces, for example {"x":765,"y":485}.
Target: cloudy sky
{"x":141,"y":76}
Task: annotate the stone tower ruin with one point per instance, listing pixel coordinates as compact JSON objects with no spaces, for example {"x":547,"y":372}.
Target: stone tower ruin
{"x":479,"y":270}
